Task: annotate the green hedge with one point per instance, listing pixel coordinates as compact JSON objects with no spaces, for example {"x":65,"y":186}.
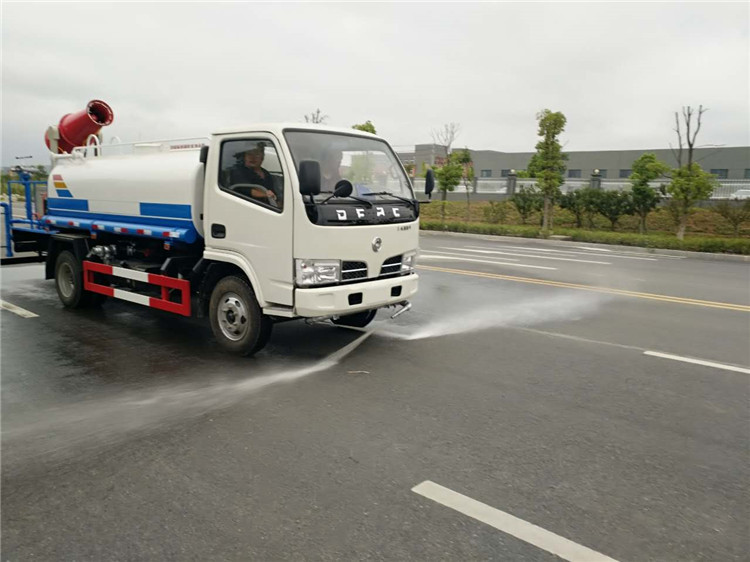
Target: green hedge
{"x":668,"y":242}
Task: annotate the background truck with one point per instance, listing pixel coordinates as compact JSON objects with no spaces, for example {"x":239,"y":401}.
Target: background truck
{"x":249,"y":226}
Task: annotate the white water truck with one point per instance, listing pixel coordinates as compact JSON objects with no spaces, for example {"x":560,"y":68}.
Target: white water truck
{"x":249,"y":226}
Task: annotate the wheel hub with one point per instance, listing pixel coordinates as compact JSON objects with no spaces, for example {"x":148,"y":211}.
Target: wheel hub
{"x":65,"y":280}
{"x":232,"y":316}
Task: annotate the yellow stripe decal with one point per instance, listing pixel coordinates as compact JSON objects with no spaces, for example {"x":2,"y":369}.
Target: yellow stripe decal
{"x":61,"y":185}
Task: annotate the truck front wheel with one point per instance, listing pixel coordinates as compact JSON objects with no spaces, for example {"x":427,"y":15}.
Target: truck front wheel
{"x":237,"y":321}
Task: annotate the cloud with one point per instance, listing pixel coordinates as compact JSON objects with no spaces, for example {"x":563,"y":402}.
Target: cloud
{"x":617,"y":70}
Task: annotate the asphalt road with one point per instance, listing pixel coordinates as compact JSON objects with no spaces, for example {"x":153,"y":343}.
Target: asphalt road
{"x":520,"y":380}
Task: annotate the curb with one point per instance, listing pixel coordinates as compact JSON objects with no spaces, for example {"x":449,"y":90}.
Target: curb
{"x":565,"y":243}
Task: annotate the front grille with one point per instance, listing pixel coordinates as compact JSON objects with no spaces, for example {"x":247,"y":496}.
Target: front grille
{"x":353,"y":270}
{"x":391,"y":267}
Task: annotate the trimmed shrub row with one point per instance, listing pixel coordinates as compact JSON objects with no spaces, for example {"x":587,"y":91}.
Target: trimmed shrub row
{"x":663,"y":241}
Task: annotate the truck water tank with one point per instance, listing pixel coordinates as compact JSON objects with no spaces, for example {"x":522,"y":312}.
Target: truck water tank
{"x":160,"y":188}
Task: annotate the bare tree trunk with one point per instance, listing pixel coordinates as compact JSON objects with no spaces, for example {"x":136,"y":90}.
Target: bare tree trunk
{"x":468,"y":203}
{"x":642,"y":225}
{"x":681,"y":228}
{"x":442,"y":205}
{"x":545,"y":215}
{"x":678,"y":155}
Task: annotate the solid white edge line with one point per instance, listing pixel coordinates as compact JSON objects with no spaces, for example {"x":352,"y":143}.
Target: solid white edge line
{"x":507,"y":523}
{"x":698,"y":362}
{"x":22,"y":312}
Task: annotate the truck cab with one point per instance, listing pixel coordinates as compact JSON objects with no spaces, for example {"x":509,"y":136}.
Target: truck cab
{"x":307,"y":249}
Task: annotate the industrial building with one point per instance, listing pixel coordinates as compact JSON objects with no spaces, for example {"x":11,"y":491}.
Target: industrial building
{"x":727,"y":163}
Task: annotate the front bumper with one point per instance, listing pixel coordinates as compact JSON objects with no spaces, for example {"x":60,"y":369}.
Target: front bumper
{"x":330,"y":301}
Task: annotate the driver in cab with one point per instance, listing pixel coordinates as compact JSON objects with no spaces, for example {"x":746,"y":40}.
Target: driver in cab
{"x":250,"y":172}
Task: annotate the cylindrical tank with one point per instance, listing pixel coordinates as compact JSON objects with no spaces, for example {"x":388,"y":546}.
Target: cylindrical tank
{"x":159,"y":187}
{"x":74,"y":128}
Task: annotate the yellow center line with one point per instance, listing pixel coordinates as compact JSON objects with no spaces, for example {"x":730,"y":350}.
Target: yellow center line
{"x":594,"y":288}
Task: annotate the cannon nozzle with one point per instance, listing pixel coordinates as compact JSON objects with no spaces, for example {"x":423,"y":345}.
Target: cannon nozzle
{"x":74,"y":128}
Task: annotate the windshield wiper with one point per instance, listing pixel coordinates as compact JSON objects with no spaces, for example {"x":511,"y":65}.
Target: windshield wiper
{"x":404,"y":199}
{"x":365,"y":201}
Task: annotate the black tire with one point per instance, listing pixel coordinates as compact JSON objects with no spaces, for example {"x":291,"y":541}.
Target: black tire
{"x":69,"y":281}
{"x":237,"y":321}
{"x":357,"y":320}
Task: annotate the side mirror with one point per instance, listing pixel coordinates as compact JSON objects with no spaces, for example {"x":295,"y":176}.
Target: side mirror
{"x":429,"y":183}
{"x":343,"y":188}
{"x":309,"y":177}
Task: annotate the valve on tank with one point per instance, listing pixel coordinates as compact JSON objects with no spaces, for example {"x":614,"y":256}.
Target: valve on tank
{"x":75,"y":128}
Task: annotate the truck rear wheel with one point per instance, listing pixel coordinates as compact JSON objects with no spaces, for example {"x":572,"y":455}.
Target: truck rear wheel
{"x":69,"y":281}
{"x":357,"y":320}
{"x":237,"y":321}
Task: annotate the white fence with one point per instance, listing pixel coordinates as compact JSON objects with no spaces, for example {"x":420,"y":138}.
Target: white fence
{"x":725,"y":190}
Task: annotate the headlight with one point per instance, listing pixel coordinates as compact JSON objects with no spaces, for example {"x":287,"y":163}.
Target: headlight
{"x":317,"y":272}
{"x":408,"y":261}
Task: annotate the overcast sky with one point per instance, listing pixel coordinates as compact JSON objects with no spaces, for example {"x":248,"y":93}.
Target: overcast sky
{"x":618,"y":71}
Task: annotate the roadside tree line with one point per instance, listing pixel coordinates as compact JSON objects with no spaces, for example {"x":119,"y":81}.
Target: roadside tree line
{"x":682,"y":188}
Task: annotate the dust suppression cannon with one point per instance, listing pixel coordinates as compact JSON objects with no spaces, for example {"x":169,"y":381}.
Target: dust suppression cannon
{"x":75,"y":128}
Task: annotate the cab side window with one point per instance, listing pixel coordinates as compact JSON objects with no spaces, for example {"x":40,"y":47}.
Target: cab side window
{"x":250,"y":169}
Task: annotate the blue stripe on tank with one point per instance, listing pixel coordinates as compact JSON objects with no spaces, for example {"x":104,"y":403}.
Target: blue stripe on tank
{"x":165,"y":210}
{"x":68,"y":204}
{"x":64,"y":193}
{"x":107,"y":223}
{"x":177,"y":223}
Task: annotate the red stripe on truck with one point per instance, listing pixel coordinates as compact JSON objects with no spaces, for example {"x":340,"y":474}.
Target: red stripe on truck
{"x":89,"y":269}
{"x":168,"y":287}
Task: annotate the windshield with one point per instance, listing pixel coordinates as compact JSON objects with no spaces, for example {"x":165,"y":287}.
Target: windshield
{"x":369,"y":164}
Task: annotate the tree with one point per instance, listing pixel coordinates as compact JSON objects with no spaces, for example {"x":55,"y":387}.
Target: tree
{"x":688,"y":186}
{"x":367,"y":127}
{"x":735,"y":212}
{"x":464,"y":158}
{"x":574,"y":201}
{"x":316,"y":117}
{"x":645,"y":169}
{"x":549,"y":164}
{"x":448,"y":176}
{"x":614,"y":204}
{"x":687,"y":114}
{"x":526,"y":200}
{"x":590,"y":201}
{"x":533,"y":167}
{"x":446,"y":136}
{"x":690,"y":183}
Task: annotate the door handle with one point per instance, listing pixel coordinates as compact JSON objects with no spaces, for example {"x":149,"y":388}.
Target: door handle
{"x":218,"y":231}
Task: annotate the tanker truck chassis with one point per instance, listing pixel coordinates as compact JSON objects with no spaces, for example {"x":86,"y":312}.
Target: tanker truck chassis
{"x":248,"y":227}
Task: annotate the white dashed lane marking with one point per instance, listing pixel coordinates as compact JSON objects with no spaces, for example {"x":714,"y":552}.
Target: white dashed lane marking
{"x":703,"y":362}
{"x":450,"y":256}
{"x":534,"y":256}
{"x":507,"y":523}
{"x":22,"y":312}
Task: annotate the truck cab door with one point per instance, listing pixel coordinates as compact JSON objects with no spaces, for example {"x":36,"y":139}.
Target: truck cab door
{"x":248,"y":212}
